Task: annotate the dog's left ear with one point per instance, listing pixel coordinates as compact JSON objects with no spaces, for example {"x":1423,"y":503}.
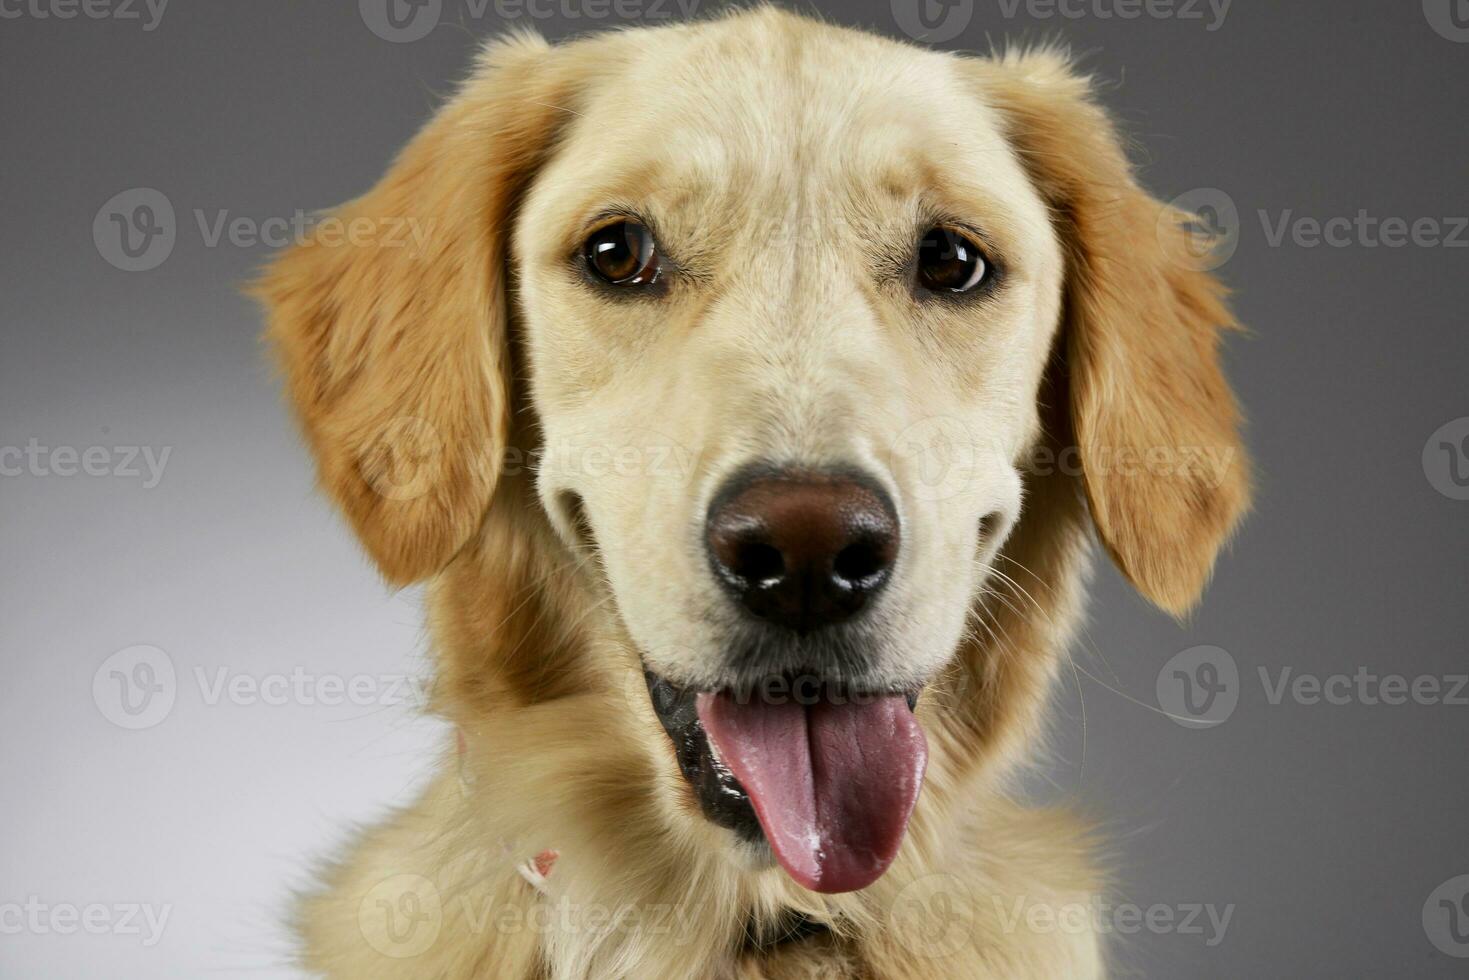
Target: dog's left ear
{"x":391,"y":321}
{"x":1155,"y":422}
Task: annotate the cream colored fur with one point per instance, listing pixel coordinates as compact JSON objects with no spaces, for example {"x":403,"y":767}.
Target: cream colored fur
{"x":781,"y":158}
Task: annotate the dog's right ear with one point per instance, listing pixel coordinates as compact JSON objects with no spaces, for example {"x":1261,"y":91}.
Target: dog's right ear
{"x":390,"y":321}
{"x":1140,"y":338}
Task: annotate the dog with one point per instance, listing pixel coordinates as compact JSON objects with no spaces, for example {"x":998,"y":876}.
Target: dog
{"x":750,"y":396}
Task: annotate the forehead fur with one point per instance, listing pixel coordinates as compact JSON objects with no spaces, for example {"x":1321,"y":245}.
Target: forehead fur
{"x":765,"y":117}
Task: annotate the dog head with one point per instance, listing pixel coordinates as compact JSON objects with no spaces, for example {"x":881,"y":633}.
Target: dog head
{"x":738,"y":359}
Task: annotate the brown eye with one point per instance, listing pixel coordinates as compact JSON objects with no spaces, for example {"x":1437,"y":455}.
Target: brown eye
{"x":623,"y":253}
{"x":950,"y":262}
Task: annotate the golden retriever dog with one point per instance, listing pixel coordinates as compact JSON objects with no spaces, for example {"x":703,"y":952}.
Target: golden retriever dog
{"x":748,"y":396}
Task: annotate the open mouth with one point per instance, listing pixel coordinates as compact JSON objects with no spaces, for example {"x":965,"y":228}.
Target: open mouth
{"x":826,"y":776}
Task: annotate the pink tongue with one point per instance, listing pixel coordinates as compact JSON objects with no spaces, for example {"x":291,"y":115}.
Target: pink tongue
{"x":832,"y":784}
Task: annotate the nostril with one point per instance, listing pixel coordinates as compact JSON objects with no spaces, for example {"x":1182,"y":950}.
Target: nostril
{"x":759,"y":563}
{"x":861,"y":562}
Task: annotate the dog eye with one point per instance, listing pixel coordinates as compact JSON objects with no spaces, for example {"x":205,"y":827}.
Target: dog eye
{"x":623,"y":253}
{"x":950,"y":262}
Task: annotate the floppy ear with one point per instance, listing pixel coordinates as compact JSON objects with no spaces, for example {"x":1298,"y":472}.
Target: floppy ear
{"x":1155,"y":422}
{"x":390,"y":321}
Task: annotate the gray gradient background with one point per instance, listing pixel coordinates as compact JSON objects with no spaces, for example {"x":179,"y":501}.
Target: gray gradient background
{"x":1327,"y":827}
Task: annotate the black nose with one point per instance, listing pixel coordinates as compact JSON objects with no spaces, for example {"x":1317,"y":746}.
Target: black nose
{"x":803,"y":550}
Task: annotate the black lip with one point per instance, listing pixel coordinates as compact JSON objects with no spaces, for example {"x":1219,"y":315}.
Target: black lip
{"x":722,"y":799}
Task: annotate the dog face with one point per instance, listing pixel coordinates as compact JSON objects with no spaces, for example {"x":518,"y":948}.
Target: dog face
{"x":784,"y":343}
{"x":782,"y":313}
